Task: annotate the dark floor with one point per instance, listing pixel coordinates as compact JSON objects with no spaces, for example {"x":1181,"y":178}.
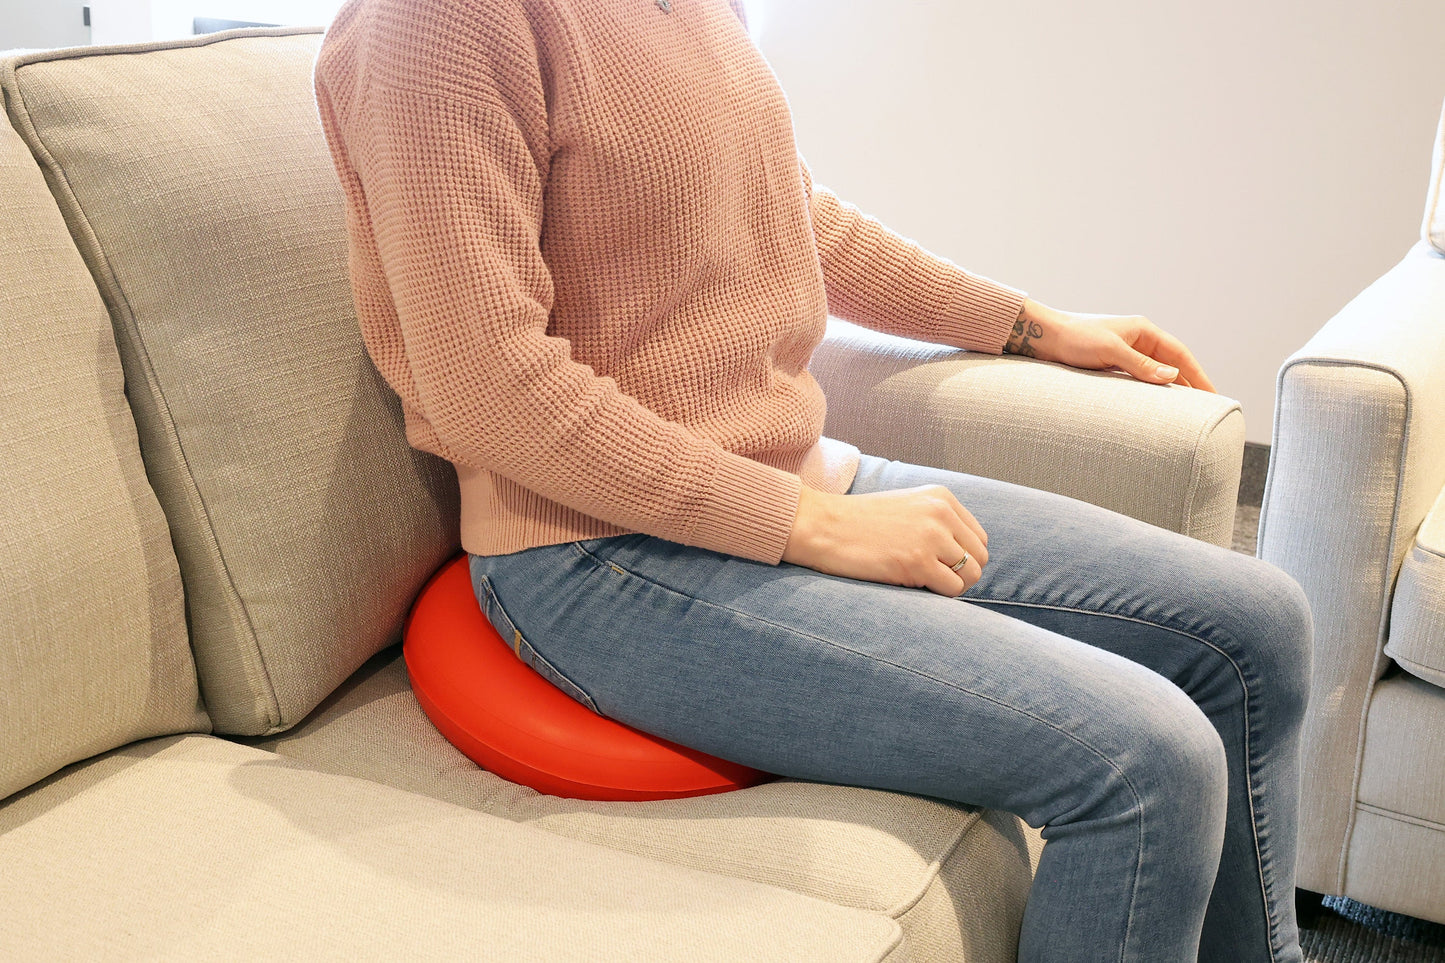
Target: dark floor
{"x":1351,"y":932}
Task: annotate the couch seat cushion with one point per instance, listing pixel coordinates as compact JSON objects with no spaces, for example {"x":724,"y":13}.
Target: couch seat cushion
{"x":1417,"y":612}
{"x":93,"y":648}
{"x":195,"y":847}
{"x":196,"y":178}
{"x":955,"y":879}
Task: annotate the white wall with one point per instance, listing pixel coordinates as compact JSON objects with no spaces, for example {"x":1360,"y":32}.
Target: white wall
{"x":120,"y":21}
{"x":1236,"y":170}
{"x":174,"y":18}
{"x":128,"y":21}
{"x":48,"y":23}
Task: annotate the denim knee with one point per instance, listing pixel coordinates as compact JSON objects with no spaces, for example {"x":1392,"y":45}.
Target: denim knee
{"x":1170,"y":771}
{"x":1276,"y":639}
{"x":1182,"y":760}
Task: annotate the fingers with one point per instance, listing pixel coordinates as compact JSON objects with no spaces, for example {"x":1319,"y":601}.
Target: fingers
{"x":911,"y":537}
{"x":953,"y":582}
{"x":1170,"y":350}
{"x":965,"y":516}
{"x":1144,"y":368}
{"x":1161,"y":348}
{"x":968,"y":537}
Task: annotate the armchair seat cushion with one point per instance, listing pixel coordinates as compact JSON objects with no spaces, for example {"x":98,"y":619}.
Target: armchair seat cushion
{"x":199,"y":848}
{"x":1397,"y":845}
{"x":1417,"y":612}
{"x":955,"y":879}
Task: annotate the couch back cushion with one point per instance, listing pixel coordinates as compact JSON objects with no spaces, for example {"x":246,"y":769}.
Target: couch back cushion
{"x":1433,"y":230}
{"x":196,"y":180}
{"x":93,"y":651}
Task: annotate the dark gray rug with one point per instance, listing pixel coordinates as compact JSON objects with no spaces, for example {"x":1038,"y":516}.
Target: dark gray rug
{"x":1351,"y":932}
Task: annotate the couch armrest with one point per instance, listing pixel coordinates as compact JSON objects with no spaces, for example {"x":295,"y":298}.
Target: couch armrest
{"x":1169,"y":456}
{"x":1358,"y":457}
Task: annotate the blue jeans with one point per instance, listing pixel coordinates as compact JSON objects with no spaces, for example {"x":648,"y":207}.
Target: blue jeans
{"x":1136,"y":693}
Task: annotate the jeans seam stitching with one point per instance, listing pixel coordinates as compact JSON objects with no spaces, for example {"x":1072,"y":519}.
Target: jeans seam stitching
{"x":1138,"y":803}
{"x":1248,"y":742}
{"x":518,"y":640}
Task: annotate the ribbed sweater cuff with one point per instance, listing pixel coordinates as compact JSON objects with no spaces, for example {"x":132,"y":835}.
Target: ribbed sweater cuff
{"x":751,"y":511}
{"x":981,"y":313}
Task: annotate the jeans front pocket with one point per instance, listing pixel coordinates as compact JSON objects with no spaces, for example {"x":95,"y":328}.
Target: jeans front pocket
{"x":508,"y":631}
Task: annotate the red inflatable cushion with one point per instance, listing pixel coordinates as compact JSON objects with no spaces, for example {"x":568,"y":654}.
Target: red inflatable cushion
{"x":508,"y":719}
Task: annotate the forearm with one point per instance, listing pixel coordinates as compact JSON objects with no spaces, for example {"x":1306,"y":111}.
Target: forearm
{"x":1035,"y":326}
{"x":879,"y":279}
{"x":1130,"y":343}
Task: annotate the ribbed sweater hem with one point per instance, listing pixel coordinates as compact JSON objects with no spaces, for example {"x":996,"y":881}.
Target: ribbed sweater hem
{"x":499,"y":517}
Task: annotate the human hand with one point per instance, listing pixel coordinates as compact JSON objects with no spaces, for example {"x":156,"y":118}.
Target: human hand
{"x":911,"y":536}
{"x":1132,"y":344}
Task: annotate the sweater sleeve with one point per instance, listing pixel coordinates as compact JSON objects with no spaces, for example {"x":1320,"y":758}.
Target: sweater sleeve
{"x":451,"y":181}
{"x":884,"y":281}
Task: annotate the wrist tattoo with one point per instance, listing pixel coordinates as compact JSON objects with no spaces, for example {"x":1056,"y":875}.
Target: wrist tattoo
{"x":1021,"y":338}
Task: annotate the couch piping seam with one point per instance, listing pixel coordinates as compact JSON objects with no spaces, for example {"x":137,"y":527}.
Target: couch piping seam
{"x":935,"y":866}
{"x":1386,"y":813}
{"x":1196,"y":466}
{"x":145,"y":47}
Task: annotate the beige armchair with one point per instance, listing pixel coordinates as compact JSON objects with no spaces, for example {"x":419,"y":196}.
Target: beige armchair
{"x":1354,"y":510}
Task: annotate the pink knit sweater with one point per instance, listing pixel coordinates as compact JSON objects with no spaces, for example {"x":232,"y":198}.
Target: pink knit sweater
{"x":587,"y":256}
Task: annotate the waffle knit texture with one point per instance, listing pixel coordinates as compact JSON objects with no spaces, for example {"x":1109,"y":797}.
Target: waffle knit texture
{"x":587,"y":256}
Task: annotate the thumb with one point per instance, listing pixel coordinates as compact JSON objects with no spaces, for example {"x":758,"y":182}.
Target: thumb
{"x":1145,"y":368}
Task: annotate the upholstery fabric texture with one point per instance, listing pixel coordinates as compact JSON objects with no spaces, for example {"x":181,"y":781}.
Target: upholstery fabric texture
{"x":1396,"y":863}
{"x":955,"y":879}
{"x":1043,"y":425}
{"x":1401,"y":776}
{"x":1357,"y":460}
{"x":1398,"y":842}
{"x":1433,"y":229}
{"x":303,"y":522}
{"x":1417,"y":613}
{"x":178,"y":848}
{"x":93,"y":650}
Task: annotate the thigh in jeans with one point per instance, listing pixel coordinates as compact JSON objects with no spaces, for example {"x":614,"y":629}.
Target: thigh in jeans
{"x":826,"y":678}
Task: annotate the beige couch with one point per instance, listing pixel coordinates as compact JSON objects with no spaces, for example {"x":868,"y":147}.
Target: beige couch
{"x":211,"y":529}
{"x":1355,"y":511}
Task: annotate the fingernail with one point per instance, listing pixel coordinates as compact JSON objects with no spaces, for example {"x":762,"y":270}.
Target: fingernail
{"x":1166,"y":372}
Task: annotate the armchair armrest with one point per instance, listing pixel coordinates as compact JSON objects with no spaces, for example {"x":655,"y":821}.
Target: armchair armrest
{"x":1357,"y":460}
{"x":1169,"y":456}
